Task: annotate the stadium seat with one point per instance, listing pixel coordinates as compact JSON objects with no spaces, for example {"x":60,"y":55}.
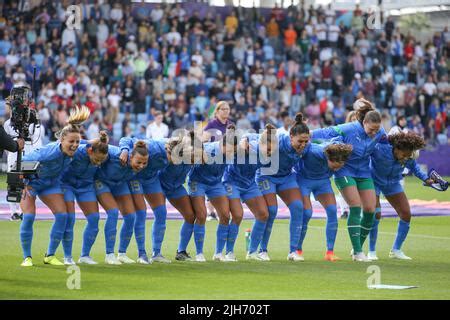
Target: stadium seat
{"x":306,"y":68}
{"x":398,"y":77}
{"x":320,"y":93}
{"x":120,"y":117}
{"x":117,"y":131}
{"x":142,"y":118}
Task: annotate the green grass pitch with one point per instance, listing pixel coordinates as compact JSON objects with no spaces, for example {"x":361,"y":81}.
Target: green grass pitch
{"x":428,"y":244}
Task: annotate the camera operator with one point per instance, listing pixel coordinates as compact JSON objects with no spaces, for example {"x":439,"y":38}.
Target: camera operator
{"x":27,"y":147}
{"x":8,"y":143}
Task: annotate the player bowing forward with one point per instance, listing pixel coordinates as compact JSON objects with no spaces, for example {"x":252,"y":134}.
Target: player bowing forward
{"x":206,"y":179}
{"x":54,"y":158}
{"x":388,"y":162}
{"x":354,"y":179}
{"x":113,"y":193}
{"x":314,"y":171}
{"x":239,"y":181}
{"x":147,"y":186}
{"x":284,"y":183}
{"x":172,"y":179}
{"x":78,"y":183}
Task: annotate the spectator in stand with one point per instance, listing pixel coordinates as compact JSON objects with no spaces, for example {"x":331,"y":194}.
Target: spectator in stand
{"x":157,"y":129}
{"x":102,"y":64}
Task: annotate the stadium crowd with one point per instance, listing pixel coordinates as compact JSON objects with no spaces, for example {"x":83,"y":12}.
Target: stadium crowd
{"x":144,"y":71}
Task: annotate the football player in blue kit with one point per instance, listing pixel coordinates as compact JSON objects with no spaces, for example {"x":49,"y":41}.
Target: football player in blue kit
{"x":78,"y":183}
{"x":354,"y":179}
{"x":206,"y":179}
{"x":284,"y":183}
{"x":239,"y":181}
{"x":314,"y":171}
{"x":54,"y":159}
{"x":388,"y":162}
{"x":172,"y":179}
{"x":113,"y":193}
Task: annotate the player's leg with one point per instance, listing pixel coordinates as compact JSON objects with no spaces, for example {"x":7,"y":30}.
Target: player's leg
{"x":291,"y":195}
{"x":307,"y":214}
{"x":28,"y":206}
{"x":347,"y":187}
{"x":137,"y":194}
{"x":305,"y":187}
{"x":222,"y":206}
{"x":182,"y":203}
{"x":258,"y":207}
{"x":400,"y":203}
{"x":328,"y":202}
{"x":67,"y":240}
{"x":367,"y":193}
{"x":373,"y":235}
{"x":234,"y":194}
{"x":237,"y":213}
{"x":128,"y":211}
{"x":107,"y":201}
{"x":198,"y":204}
{"x":55,"y":202}
{"x":157,"y":202}
{"x":91,"y":212}
{"x":268,"y":190}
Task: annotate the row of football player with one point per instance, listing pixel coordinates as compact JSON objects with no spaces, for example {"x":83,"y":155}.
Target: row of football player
{"x":362,"y":158}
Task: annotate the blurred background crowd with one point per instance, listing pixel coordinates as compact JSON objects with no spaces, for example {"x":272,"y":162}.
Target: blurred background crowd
{"x":147,"y":69}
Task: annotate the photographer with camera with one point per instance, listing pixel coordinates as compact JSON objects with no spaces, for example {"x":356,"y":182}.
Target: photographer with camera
{"x":36,"y":133}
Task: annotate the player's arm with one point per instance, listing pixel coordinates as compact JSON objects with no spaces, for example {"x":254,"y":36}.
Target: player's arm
{"x":125,"y":145}
{"x":327,"y":133}
{"x":45,"y":153}
{"x":415,"y":169}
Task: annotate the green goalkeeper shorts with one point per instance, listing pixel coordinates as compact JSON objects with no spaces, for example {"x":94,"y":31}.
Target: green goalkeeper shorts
{"x":360,"y":183}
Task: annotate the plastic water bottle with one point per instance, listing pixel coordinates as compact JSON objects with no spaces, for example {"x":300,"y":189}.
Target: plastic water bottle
{"x":247,"y":238}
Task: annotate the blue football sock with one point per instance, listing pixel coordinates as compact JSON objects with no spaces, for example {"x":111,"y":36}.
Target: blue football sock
{"x":139,"y":231}
{"x":111,"y":229}
{"x":402,"y":232}
{"x":266,"y":236}
{"x":233,"y":231}
{"x":332,"y":226}
{"x":256,"y":235}
{"x":57,"y":232}
{"x":90,"y":233}
{"x":185,"y":235}
{"x":126,"y":232}
{"x":159,"y":228}
{"x":307,"y":214}
{"x":26,"y":233}
{"x":295,"y":224}
{"x":373,"y":235}
{"x":199,"y":237}
{"x":67,"y":239}
{"x":221,"y":234}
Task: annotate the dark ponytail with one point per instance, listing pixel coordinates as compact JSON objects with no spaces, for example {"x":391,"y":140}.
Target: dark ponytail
{"x":140,"y":147}
{"x":367,"y":112}
{"x":101,"y":143}
{"x":299,"y":126}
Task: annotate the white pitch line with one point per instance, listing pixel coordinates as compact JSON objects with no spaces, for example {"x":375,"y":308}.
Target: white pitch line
{"x":392,"y":233}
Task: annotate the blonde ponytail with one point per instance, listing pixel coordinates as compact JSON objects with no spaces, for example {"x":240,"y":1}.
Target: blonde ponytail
{"x":77,"y":116}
